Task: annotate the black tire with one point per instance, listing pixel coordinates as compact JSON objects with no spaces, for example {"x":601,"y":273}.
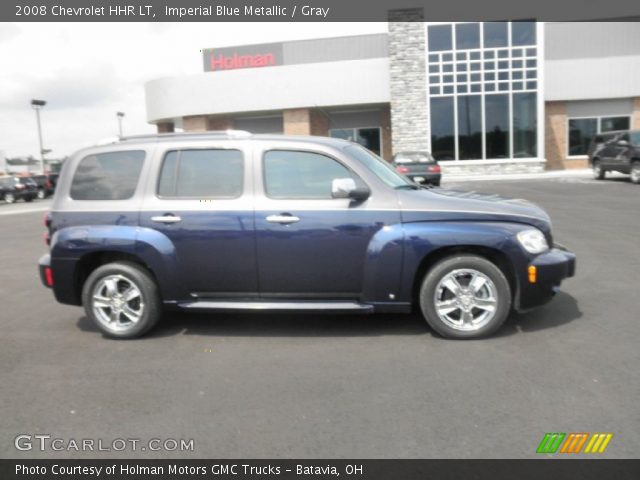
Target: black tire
{"x":635,"y":172}
{"x":495,"y":287}
{"x":598,"y":172}
{"x":149,"y":297}
{"x":9,"y":197}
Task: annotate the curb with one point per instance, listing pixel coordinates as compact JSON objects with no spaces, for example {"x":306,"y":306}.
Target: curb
{"x":581,"y":173}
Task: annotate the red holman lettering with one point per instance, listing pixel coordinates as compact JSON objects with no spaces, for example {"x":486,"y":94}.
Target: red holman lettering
{"x":241,"y":61}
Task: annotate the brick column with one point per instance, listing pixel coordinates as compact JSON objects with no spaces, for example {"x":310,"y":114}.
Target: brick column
{"x":408,"y":82}
{"x":219,"y":123}
{"x":196,"y":123}
{"x":555,"y":134}
{"x":297,"y":121}
{"x":319,"y":123}
{"x":635,"y":121}
{"x":165,"y":127}
{"x":385,"y":127}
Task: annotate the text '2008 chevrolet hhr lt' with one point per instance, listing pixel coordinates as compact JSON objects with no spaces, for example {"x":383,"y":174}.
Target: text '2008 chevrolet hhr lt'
{"x":231,"y":221}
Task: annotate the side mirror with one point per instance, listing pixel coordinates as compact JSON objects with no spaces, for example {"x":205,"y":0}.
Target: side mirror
{"x":623,"y":143}
{"x":347,"y":188}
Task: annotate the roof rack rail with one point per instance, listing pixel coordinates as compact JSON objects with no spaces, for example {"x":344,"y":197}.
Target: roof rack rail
{"x":208,"y":133}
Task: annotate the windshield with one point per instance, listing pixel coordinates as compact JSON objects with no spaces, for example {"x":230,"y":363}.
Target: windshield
{"x":380,"y":167}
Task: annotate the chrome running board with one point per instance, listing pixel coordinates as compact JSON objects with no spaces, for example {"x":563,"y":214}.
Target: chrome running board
{"x":314,"y":305}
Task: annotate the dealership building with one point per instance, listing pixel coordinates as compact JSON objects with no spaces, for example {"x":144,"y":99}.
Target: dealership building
{"x":482,"y":97}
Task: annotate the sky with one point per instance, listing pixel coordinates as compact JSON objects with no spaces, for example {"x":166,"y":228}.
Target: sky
{"x":86,"y":72}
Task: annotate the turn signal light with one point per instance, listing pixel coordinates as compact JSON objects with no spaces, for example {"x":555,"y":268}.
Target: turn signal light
{"x":533,"y":274}
{"x":48,"y":276}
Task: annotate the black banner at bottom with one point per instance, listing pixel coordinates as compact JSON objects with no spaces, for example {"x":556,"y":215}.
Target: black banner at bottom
{"x":556,"y":469}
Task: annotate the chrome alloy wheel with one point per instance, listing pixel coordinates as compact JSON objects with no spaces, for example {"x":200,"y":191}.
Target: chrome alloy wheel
{"x":466,"y":299}
{"x":117,"y":303}
{"x":635,"y":173}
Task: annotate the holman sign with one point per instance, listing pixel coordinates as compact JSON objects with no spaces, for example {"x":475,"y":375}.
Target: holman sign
{"x":249,"y":56}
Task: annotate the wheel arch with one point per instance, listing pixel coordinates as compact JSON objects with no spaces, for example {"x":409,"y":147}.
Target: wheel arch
{"x":494,"y":255}
{"x":89,"y":262}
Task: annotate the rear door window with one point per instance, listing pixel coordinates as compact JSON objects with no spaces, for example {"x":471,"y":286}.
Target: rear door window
{"x":107,"y":176}
{"x":211,"y":173}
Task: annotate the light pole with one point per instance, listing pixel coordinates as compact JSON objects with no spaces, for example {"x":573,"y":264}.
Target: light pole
{"x":120,"y":116}
{"x":37,"y":105}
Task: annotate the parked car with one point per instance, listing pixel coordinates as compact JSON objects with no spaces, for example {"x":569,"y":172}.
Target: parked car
{"x":616,"y":152}
{"x":420,"y":167}
{"x":14,"y":188}
{"x":46,"y":184}
{"x":232,"y":221}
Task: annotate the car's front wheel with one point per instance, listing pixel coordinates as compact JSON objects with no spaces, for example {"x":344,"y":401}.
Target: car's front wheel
{"x":635,"y":172}
{"x":122,"y":300}
{"x":598,"y":171}
{"x":9,"y":197}
{"x":465,"y":296}
{"x":41,"y":194}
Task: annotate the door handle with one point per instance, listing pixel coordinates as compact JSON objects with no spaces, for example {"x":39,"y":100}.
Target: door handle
{"x":282,"y":219}
{"x":168,"y":218}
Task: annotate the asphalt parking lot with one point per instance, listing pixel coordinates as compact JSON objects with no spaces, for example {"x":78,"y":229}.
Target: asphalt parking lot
{"x":256,"y":386}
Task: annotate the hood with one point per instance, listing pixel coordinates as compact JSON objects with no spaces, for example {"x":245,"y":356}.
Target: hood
{"x":443,"y":204}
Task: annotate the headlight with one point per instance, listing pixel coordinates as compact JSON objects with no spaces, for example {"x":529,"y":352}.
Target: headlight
{"x":533,"y":241}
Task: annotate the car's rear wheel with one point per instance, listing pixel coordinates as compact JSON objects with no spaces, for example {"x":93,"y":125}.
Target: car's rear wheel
{"x":598,"y":171}
{"x":465,"y":296}
{"x":635,"y":172}
{"x":9,"y":197}
{"x":122,"y":300}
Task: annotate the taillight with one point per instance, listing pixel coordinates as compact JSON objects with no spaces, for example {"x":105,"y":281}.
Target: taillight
{"x":48,"y":276}
{"x":434,"y":168}
{"x":402,"y":169}
{"x":48,"y":184}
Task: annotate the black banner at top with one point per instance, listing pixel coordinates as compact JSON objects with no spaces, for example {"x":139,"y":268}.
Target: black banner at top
{"x":310,"y":10}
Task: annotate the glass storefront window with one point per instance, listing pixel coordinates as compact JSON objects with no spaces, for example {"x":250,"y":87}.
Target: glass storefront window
{"x":467,"y":36}
{"x":442,"y":128}
{"x":486,"y":107}
{"x":610,"y":124}
{"x":439,"y":37}
{"x":469,"y":127}
{"x":524,"y":125}
{"x":495,"y":35}
{"x":497,"y":126}
{"x":523,"y":33}
{"x":367,"y":137}
{"x":581,"y":130}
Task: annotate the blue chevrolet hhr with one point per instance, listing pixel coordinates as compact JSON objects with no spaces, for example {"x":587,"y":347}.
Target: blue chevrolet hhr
{"x":226,"y":221}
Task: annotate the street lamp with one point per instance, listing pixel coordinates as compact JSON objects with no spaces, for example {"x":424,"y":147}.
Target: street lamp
{"x":120,"y":116}
{"x":37,"y":105}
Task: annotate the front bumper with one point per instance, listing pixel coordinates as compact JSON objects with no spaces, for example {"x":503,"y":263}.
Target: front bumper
{"x":552,"y":268}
